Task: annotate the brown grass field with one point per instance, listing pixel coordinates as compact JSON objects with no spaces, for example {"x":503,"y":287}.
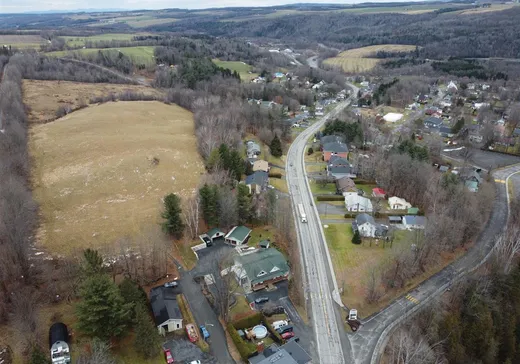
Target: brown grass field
{"x":358,"y":59}
{"x":45,"y":97}
{"x":22,"y":41}
{"x":93,"y":174}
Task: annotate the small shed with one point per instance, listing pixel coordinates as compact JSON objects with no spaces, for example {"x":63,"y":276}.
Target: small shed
{"x":264,"y":244}
{"x":395,"y":219}
{"x":413,"y":211}
{"x":238,"y":235}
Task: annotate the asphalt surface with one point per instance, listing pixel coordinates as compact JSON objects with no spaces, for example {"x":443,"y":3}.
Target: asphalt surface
{"x":369,"y":341}
{"x":320,"y":282}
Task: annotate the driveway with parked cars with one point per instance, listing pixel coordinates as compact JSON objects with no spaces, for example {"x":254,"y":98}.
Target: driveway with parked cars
{"x":279,"y":297}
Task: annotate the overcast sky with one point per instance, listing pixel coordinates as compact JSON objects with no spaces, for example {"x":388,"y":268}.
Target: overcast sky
{"x":19,"y":6}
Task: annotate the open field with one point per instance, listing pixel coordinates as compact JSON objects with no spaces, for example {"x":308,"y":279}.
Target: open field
{"x":242,"y":68}
{"x":494,"y":7}
{"x":94,"y":175}
{"x":45,"y":97}
{"x":358,"y":59}
{"x":22,"y":41}
{"x":73,"y":41}
{"x":142,"y":55}
{"x":139,"y":21}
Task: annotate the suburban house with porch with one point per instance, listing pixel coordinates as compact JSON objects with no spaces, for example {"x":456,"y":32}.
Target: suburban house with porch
{"x":255,"y":270}
{"x":257,"y":182}
{"x":368,"y":227}
{"x":252,"y":149}
{"x":238,"y":235}
{"x":260,"y":165}
{"x":433,"y":122}
{"x":339,"y":167}
{"x":166,"y":312}
{"x":397,"y":203}
{"x":357,"y":203}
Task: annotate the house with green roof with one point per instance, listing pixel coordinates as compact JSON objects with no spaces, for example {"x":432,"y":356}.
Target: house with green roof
{"x":238,"y":235}
{"x":255,"y":270}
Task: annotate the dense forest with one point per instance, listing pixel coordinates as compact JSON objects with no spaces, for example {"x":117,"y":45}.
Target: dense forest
{"x":442,"y":35}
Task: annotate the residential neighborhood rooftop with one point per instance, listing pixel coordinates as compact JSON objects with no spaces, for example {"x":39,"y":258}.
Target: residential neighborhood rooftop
{"x":238,"y":233}
{"x":164,"y":304}
{"x":268,"y":261}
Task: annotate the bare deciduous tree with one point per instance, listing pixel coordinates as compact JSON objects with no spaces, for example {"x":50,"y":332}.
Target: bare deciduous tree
{"x":191,"y":214}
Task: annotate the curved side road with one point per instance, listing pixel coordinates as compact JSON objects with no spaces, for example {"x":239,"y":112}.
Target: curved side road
{"x":369,"y":341}
{"x":320,"y":282}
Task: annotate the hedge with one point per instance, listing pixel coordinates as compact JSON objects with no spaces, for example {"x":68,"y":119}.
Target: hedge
{"x":188,"y":318}
{"x":275,"y":175}
{"x":360,"y":181}
{"x":245,"y":348}
{"x":330,"y":198}
{"x":248,"y":321}
{"x":276,"y":335}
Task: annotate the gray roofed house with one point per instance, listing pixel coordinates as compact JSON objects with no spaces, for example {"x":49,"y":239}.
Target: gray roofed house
{"x":332,"y":139}
{"x":253,"y":150}
{"x":341,"y":171}
{"x":289,"y":353}
{"x":256,"y":270}
{"x":335,"y":147}
{"x":414,"y":222}
{"x":257,"y":182}
{"x":446,"y":132}
{"x":336,"y":161}
{"x":433,"y":122}
{"x":166,"y":312}
{"x":345,"y":184}
{"x":366,"y":225}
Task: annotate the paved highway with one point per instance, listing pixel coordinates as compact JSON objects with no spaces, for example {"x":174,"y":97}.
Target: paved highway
{"x":320,"y":283}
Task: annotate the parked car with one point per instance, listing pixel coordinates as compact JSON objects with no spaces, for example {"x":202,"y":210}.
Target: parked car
{"x":284,"y":329}
{"x":277,"y":324}
{"x":204,"y":332}
{"x":195,"y":362}
{"x":171,"y":284}
{"x":352,"y":315}
{"x":168,"y":356}
{"x":261,"y":300}
{"x":287,"y":335}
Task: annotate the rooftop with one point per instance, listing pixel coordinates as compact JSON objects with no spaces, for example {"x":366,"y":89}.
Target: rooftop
{"x":364,"y":218}
{"x":239,"y":233}
{"x":164,"y":304}
{"x":263,"y":264}
{"x":335,"y":147}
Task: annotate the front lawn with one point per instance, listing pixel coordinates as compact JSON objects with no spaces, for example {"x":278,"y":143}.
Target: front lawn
{"x":315,"y":167}
{"x":240,"y":309}
{"x":280,"y":184}
{"x":261,"y":233}
{"x":322,"y":189}
{"x":367,"y":189}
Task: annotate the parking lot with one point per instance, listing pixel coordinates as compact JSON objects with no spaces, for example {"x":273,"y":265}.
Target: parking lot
{"x":185,"y":352}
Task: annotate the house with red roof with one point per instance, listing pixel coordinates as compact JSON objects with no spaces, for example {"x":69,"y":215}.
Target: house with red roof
{"x":378,"y":192}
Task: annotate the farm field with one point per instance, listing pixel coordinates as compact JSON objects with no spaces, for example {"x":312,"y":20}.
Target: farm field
{"x":137,"y":54}
{"x":242,"y":68}
{"x":358,"y":59}
{"x":45,"y":97}
{"x":139,"y":21}
{"x":95,"y":177}
{"x":73,"y":41}
{"x":22,"y":41}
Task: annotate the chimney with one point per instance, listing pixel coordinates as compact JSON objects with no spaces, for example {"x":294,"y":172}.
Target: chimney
{"x":260,"y":347}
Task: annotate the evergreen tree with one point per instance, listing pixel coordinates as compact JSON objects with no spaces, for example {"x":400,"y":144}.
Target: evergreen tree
{"x":101,"y":312}
{"x":224,"y":156}
{"x":236,"y":165}
{"x":93,"y":261}
{"x":132,"y":294}
{"x":276,"y":147}
{"x":213,"y":160}
{"x":458,"y":126}
{"x":356,"y":238}
{"x":248,"y":167}
{"x":209,"y":204}
{"x":147,"y":340}
{"x":173,"y":224}
{"x":243,"y":204}
{"x":38,"y":356}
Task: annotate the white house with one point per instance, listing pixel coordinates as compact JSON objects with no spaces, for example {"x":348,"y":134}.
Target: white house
{"x":166,"y":312}
{"x":452,"y":87}
{"x":414,"y":222}
{"x":354,"y":202}
{"x":397,"y":203}
{"x":366,"y":225}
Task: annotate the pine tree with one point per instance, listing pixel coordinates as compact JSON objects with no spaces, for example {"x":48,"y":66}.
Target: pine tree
{"x":356,"y":238}
{"x":243,"y":204}
{"x":213,"y":159}
{"x":209,"y":204}
{"x":236,"y":165}
{"x":224,"y":156}
{"x":132,"y":294}
{"x":276,"y":147}
{"x":147,"y":340}
{"x":173,"y":224}
{"x":102,"y":312}
{"x":93,"y":261}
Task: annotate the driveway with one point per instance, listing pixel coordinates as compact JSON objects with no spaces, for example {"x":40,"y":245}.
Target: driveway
{"x":184,"y":352}
{"x":200,"y":307}
{"x":279,"y":297}
{"x":329,"y":209}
